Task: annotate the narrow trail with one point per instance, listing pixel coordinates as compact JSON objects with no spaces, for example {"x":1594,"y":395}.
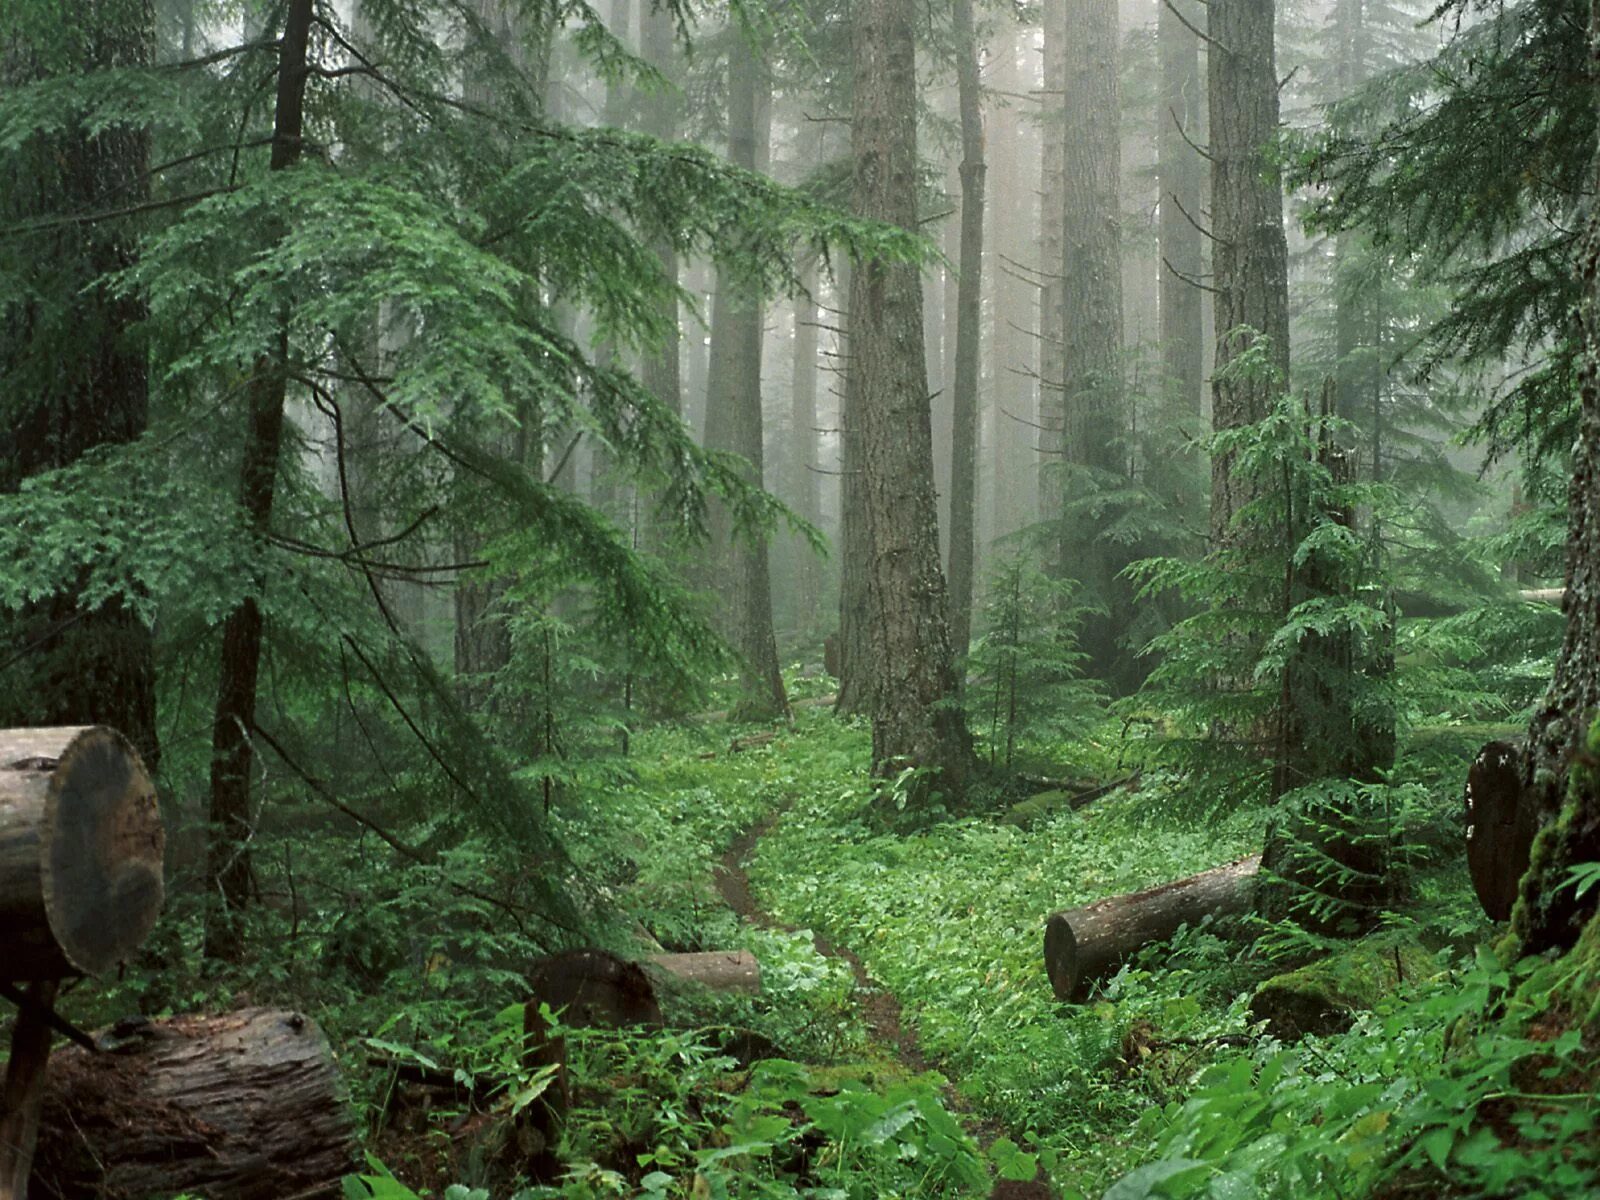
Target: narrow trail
{"x":880,"y":1008}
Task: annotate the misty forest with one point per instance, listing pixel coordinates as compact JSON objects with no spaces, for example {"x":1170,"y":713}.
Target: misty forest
{"x":799,"y":598}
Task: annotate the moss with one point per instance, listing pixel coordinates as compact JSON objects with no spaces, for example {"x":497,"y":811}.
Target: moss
{"x":1323,"y":997}
{"x":1038,"y":807}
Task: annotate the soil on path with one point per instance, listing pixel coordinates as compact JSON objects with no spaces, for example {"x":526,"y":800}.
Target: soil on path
{"x":880,"y":1009}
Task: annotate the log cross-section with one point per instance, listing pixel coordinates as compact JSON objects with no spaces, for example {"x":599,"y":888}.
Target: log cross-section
{"x":81,"y":845}
{"x":1082,"y":945}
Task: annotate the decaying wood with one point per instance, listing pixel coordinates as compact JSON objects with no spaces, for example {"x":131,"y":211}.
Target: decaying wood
{"x":1082,"y":945}
{"x":81,"y":846}
{"x":1500,"y":827}
{"x":244,"y":1106}
{"x":23,"y":1093}
{"x":719,"y":970}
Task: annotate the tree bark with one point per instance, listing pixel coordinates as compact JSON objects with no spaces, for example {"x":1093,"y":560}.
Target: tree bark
{"x":805,"y":494}
{"x":734,"y":419}
{"x":244,"y":1106}
{"x":969,"y":317}
{"x":1180,"y":170}
{"x":1052,"y":288}
{"x":915,"y":720}
{"x":76,"y":377}
{"x":81,"y":847}
{"x":1091,"y":450}
{"x":228,"y":857}
{"x":1082,"y":945}
{"x":1500,"y":828}
{"x":1249,"y":252}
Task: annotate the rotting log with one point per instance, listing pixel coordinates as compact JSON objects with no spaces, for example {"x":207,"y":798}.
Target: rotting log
{"x":1323,"y":997}
{"x":81,"y":846}
{"x":1069,"y":797}
{"x":1500,"y":827}
{"x":719,"y":970}
{"x":1082,"y":945}
{"x":243,"y":1106}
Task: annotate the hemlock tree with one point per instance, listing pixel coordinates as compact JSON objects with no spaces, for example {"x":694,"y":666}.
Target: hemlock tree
{"x":1180,"y":170}
{"x":912,"y":693}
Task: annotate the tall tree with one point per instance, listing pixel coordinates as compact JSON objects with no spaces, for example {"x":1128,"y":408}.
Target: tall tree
{"x":1181,"y":170}
{"x":915,"y":720}
{"x":1249,"y":252}
{"x":228,"y":856}
{"x":76,"y":377}
{"x":1091,"y":449}
{"x":969,"y":316}
{"x":733,"y":409}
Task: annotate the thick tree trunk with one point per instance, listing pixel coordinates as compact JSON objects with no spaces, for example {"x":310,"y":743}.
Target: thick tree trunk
{"x":915,"y":722}
{"x":1082,"y":945}
{"x":969,"y":317}
{"x":719,"y":970}
{"x":76,"y":377}
{"x":245,"y":1106}
{"x":1052,"y":288}
{"x":734,"y":419}
{"x":1500,"y":827}
{"x":805,"y":493}
{"x":855,"y":550}
{"x":81,"y":845}
{"x":1181,"y":172}
{"x":1249,"y":252}
{"x":1091,"y":448}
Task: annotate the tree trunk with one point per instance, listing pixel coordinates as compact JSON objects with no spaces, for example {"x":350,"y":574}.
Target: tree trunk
{"x":915,"y":722}
{"x":228,"y":858}
{"x":733,"y":417}
{"x":719,"y":970}
{"x":1052,"y":289}
{"x":969,"y":317}
{"x":244,"y":1106}
{"x":81,"y":846}
{"x":1181,"y":173}
{"x":855,"y":550}
{"x":1090,"y":450}
{"x":76,"y":377}
{"x":1500,"y":827}
{"x":1250,"y":257}
{"x":22,"y":1097}
{"x":1082,"y":945}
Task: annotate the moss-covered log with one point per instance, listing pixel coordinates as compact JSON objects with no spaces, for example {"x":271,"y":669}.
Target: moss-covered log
{"x":1323,"y":997}
{"x":1082,"y":945}
{"x":81,"y":848}
{"x":244,"y":1106}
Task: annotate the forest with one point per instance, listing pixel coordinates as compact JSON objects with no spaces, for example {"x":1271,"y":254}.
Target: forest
{"x":830,"y":599}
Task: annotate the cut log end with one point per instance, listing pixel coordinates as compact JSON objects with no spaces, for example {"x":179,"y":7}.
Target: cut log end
{"x":81,"y":850}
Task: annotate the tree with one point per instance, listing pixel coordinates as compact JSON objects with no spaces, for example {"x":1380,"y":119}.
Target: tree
{"x":969,"y":312}
{"x":1249,"y":253}
{"x":76,"y":376}
{"x":1180,"y":170}
{"x":915,"y":720}
{"x":733,"y":408}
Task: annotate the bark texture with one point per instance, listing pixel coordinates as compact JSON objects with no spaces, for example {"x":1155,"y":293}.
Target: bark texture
{"x":969,"y":317}
{"x":81,"y":848}
{"x":914,"y":720}
{"x":228,"y":858}
{"x":1082,"y":945}
{"x":1091,"y":450}
{"x":733,"y":414}
{"x":1500,"y":828}
{"x":244,"y":1106}
{"x":1181,"y":172}
{"x":77,"y":378}
{"x":1250,"y":258}
{"x":719,"y":970}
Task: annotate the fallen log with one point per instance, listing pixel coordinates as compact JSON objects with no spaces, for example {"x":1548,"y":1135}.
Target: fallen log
{"x":243,"y":1106}
{"x":1082,"y":945}
{"x":1500,"y":827}
{"x":719,"y":970}
{"x":81,"y":845}
{"x":1044,"y":804}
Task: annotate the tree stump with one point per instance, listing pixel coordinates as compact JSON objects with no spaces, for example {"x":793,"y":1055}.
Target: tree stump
{"x":1082,"y":945}
{"x":81,"y":845}
{"x":718,"y":970}
{"x":243,"y":1106}
{"x":1500,"y":827}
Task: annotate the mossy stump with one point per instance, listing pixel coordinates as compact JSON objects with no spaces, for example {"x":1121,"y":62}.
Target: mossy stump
{"x":1323,"y":997}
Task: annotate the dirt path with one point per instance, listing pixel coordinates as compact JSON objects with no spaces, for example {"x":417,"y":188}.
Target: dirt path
{"x":880,"y":1009}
